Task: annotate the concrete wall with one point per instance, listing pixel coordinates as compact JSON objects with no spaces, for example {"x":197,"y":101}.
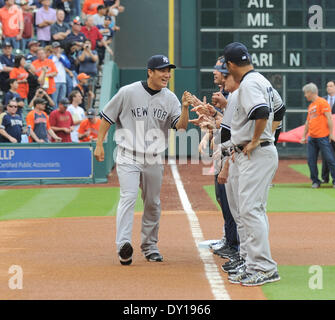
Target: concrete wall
{"x":144,"y":32}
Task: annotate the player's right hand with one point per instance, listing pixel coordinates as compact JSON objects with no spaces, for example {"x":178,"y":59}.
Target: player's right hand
{"x":223,"y":176}
{"x":99,"y":153}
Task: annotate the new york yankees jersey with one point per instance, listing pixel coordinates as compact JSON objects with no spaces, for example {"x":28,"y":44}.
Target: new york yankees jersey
{"x":142,"y":119}
{"x":224,"y":133}
{"x":255,"y":92}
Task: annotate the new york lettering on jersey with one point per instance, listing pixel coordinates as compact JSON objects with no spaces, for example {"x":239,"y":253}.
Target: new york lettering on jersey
{"x":142,"y":112}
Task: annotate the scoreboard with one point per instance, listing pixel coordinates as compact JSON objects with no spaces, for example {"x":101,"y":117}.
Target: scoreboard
{"x":291,"y":42}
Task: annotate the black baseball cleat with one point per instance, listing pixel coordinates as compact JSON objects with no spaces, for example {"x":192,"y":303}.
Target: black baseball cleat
{"x":154,"y":257}
{"x":229,"y":266}
{"x":226,"y":252}
{"x":126,"y":254}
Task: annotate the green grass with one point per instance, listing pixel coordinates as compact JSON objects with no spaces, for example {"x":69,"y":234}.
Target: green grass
{"x":302,"y":283}
{"x":303,"y":169}
{"x":294,"y":198}
{"x":60,"y":202}
{"x":211,"y":192}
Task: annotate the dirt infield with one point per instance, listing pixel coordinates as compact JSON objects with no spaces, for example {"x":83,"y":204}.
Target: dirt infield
{"x":75,"y":258}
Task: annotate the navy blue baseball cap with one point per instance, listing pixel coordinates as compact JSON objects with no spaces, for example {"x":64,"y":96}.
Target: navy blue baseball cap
{"x":236,"y":52}
{"x":159,"y":62}
{"x":222,"y":67}
{"x":65,"y":102}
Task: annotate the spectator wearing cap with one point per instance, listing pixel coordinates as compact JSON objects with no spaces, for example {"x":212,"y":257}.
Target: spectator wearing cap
{"x":33,"y":45}
{"x":62,"y":63}
{"x":99,"y":17}
{"x":107,"y":34}
{"x":7,"y":61}
{"x":90,"y":7}
{"x":39,"y":123}
{"x":12,"y":23}
{"x":88,"y":60}
{"x":11,"y":124}
{"x":21,"y":75}
{"x":28,"y":25}
{"x":45,"y":17}
{"x":34,"y":81}
{"x":60,"y":29}
{"x":42,"y":94}
{"x":61,"y":121}
{"x":75,"y":36}
{"x":89,"y":128}
{"x":63,"y":5}
{"x":77,"y":112}
{"x":42,"y":61}
{"x":12,"y":94}
{"x":84,"y":90}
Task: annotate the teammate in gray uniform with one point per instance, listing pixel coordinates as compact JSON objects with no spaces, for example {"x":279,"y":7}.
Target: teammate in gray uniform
{"x":229,"y":175}
{"x":143,"y":112}
{"x":257,"y":161}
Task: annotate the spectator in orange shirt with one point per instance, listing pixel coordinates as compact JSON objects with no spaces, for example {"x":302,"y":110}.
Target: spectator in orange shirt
{"x":39,"y":123}
{"x":89,"y":128}
{"x":11,"y":18}
{"x":42,"y":61}
{"x":90,"y":7}
{"x":21,"y":75}
{"x":319,"y":126}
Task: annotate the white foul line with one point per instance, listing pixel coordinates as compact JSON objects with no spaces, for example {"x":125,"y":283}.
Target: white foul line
{"x":212,"y":272}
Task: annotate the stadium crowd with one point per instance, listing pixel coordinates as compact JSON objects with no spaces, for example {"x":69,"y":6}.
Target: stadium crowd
{"x":52,"y":55}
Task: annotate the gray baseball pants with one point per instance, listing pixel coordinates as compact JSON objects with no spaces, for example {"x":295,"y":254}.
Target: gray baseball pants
{"x":255,"y":177}
{"x":148,"y":177}
{"x":232,"y":196}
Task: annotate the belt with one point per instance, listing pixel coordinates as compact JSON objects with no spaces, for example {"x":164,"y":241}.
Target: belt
{"x":240,"y":147}
{"x":137,"y":154}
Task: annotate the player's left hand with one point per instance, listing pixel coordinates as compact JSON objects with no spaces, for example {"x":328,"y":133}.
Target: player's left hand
{"x":99,"y":153}
{"x":251,"y":146}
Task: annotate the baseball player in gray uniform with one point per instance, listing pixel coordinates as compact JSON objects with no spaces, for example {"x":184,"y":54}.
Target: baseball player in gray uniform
{"x":143,"y":112}
{"x":257,"y":161}
{"x":230,"y":175}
